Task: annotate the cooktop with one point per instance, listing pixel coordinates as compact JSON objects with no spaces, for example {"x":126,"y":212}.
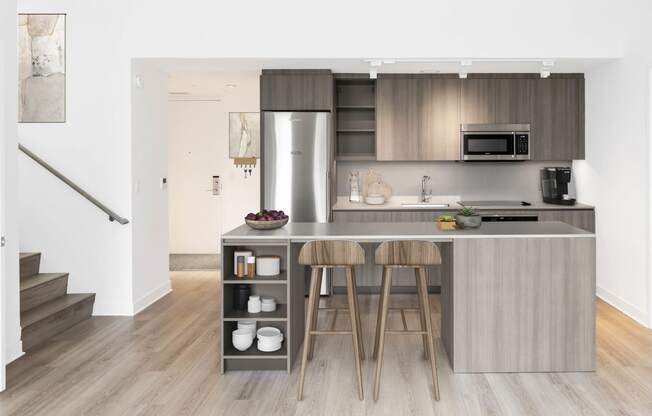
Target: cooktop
{"x":494,"y":203}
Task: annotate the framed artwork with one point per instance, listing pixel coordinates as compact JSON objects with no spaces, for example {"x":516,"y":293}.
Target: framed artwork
{"x":244,"y":135}
{"x":42,"y":68}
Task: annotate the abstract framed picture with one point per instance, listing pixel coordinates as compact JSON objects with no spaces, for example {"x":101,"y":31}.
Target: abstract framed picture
{"x":244,"y":135}
{"x":42,"y":68}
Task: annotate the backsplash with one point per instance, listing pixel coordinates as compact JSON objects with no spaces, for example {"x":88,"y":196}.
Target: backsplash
{"x":485,"y":180}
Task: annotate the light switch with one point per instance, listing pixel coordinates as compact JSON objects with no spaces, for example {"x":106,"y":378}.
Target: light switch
{"x":164,"y":183}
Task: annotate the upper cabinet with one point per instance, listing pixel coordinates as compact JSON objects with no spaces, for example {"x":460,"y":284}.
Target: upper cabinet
{"x":554,"y":108}
{"x":557,"y":123}
{"x":296,"y":90}
{"x":417,"y":118}
{"x":478,"y":101}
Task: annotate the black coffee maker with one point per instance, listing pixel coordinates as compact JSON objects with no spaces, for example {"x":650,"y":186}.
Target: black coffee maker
{"x":554,"y":185}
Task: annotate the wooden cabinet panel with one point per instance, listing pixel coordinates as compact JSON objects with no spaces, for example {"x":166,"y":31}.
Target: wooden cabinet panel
{"x":296,"y":91}
{"x":478,"y":100}
{"x":558,"y":123}
{"x":417,"y":118}
{"x":515,"y":101}
{"x":397,"y":118}
{"x":439,"y":119}
{"x":584,"y":219}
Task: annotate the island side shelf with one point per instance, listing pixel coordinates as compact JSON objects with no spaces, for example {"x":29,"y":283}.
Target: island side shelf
{"x":277,"y":287}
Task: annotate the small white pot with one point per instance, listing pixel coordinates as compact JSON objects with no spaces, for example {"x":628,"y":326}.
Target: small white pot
{"x":254,"y":305}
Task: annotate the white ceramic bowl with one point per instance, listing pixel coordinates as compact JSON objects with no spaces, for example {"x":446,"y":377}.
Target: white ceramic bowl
{"x":250,"y":325}
{"x":268,"y":307}
{"x":267,"y":300}
{"x":374,"y":199}
{"x":268,"y":265}
{"x":269,"y":334}
{"x":242,"y":339}
{"x":268,"y":346}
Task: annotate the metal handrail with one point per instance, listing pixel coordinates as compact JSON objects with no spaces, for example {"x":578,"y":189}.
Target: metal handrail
{"x":112,"y":215}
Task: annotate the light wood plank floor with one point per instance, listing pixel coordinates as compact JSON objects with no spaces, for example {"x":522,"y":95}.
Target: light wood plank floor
{"x":165,"y":362}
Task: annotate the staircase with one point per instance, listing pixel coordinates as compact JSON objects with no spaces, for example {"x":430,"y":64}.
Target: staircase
{"x":46,"y":307}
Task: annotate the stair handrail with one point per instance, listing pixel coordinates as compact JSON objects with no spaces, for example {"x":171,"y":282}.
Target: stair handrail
{"x":112,"y":215}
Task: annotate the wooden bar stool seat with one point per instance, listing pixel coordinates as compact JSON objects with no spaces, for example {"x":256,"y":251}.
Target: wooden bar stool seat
{"x":320,"y":255}
{"x":416,"y":255}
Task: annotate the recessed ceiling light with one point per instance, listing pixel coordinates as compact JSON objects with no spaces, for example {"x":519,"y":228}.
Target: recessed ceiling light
{"x":231,"y":85}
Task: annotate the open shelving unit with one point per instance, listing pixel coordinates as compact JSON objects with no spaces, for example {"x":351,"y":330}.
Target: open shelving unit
{"x":355,"y":108}
{"x":277,"y":287}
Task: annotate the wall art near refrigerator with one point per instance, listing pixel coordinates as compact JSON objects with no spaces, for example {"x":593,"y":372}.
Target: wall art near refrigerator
{"x":42,"y":68}
{"x":244,"y":135}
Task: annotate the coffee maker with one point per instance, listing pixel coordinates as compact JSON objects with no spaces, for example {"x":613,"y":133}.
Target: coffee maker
{"x":554,"y":185}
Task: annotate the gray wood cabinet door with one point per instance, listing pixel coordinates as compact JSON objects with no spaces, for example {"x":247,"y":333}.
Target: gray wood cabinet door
{"x":397,"y":119}
{"x":439,"y":119}
{"x":296,"y":91}
{"x":478,"y":100}
{"x":515,"y":100}
{"x":557,"y":130}
{"x":417,"y":118}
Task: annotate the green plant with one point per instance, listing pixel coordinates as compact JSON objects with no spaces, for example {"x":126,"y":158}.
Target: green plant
{"x":446,"y":218}
{"x":467,"y":212}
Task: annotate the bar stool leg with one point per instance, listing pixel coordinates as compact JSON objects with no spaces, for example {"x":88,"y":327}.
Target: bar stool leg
{"x":380,"y":312}
{"x":315,"y":315}
{"x":431,"y":346}
{"x":422,"y":314}
{"x":357,"y":314}
{"x":387,"y":283}
{"x":354,"y":330}
{"x":314,"y":284}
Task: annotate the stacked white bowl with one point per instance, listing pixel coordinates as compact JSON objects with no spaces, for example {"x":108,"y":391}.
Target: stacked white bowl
{"x":268,"y":305}
{"x":269,"y":339}
{"x":250,"y":325}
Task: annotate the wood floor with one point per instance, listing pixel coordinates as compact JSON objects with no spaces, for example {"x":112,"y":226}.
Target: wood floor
{"x":165,"y":362}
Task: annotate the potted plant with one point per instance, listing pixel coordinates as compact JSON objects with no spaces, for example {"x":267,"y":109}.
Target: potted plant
{"x":467,"y":217}
{"x":446,"y":222}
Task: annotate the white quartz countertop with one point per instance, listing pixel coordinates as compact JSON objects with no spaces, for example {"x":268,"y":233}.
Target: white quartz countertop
{"x":379,"y":231}
{"x":395,"y":204}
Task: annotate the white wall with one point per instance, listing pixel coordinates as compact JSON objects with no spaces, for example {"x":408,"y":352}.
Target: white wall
{"x":94,"y":146}
{"x":198,"y":148}
{"x":10,"y":347}
{"x":615,"y":176}
{"x":150,"y":261}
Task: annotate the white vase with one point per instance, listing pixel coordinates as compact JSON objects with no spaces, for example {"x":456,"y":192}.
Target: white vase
{"x":254,"y":305}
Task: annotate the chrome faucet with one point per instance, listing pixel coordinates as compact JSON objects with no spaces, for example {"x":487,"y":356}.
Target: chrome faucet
{"x":425,"y":197}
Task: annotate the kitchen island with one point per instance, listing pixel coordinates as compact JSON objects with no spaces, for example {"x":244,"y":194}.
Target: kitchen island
{"x":516,"y":297}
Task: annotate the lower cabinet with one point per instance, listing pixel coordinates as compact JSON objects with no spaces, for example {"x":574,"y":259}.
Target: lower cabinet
{"x":369,"y":275}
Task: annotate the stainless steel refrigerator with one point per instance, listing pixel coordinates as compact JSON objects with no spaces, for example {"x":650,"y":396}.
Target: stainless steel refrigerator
{"x":296,"y":167}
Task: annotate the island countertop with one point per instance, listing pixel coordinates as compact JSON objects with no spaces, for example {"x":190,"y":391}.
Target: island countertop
{"x":379,"y":231}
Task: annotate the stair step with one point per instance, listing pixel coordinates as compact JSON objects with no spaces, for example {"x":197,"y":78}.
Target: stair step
{"x":53,"y":317}
{"x":29,"y":264}
{"x":41,"y":288}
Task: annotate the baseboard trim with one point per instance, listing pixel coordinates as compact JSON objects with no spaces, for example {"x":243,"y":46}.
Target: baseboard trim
{"x":623,"y":306}
{"x":14,"y":351}
{"x":151,"y":297}
{"x":375,"y":290}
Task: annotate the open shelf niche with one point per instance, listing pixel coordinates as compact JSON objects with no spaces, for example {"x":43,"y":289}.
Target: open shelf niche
{"x":355,"y":106}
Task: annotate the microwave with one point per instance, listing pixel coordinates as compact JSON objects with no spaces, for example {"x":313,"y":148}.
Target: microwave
{"x":499,"y":142}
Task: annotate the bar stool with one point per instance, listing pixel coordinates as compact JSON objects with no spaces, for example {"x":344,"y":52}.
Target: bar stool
{"x":323,"y":255}
{"x":416,"y":255}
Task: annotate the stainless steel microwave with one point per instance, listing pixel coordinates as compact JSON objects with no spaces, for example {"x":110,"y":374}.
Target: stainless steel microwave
{"x":501,"y":142}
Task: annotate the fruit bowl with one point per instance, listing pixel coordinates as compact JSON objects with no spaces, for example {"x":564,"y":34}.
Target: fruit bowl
{"x":266,"y":225}
{"x":266,"y":219}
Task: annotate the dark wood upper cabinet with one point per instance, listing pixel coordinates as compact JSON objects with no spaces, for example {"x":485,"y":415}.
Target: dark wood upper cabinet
{"x":515,"y":100}
{"x":478,"y":100}
{"x":417,"y":118}
{"x":296,"y":90}
{"x":557,"y":126}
